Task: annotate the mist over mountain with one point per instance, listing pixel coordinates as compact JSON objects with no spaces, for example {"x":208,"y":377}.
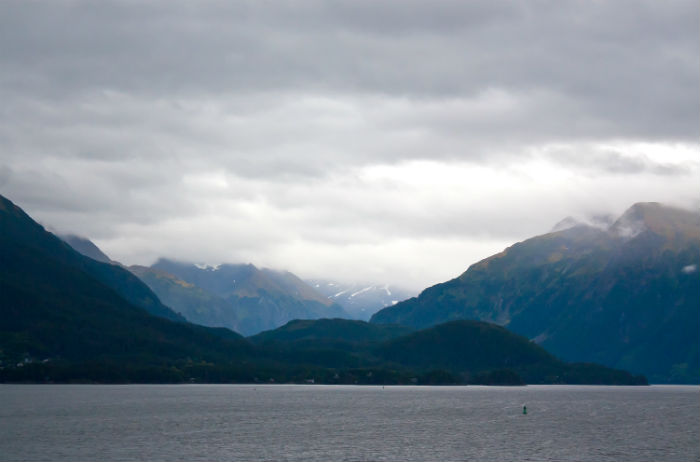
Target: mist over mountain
{"x":626,"y":295}
{"x":86,"y":247}
{"x":240,"y":297}
{"x":361,"y":301}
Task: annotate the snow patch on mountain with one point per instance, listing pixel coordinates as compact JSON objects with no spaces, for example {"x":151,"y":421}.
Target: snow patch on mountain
{"x":361,"y":300}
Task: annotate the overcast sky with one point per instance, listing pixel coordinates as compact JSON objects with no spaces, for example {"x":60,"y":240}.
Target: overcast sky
{"x":382,"y":141}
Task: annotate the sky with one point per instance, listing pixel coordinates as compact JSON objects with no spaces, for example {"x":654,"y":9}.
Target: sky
{"x":361,"y":141}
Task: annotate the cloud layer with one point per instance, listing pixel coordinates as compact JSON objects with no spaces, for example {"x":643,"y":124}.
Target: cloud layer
{"x":365,"y":140}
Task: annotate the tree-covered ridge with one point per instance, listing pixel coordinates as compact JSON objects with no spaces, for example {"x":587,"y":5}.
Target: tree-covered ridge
{"x":464,"y":351}
{"x":340,"y":330}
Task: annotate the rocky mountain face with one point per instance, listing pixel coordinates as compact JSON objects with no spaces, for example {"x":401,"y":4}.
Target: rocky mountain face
{"x":240,"y":297}
{"x":625,"y":294}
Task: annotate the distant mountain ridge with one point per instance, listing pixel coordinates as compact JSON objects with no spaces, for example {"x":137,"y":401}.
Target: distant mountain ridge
{"x":626,"y":295}
{"x":240,"y":297}
{"x":361,"y":301}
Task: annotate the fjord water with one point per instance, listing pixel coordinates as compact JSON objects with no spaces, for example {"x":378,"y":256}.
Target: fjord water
{"x":293,"y":422}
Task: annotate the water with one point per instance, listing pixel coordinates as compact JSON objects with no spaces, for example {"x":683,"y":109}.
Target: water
{"x":220,"y":422}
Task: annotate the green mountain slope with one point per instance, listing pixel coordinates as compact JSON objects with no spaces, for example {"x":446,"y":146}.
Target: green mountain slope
{"x":240,"y":297}
{"x":627,"y":296}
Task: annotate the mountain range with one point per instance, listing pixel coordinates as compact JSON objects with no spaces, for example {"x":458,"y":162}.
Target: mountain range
{"x":65,"y":317}
{"x":625,"y":293}
{"x":240,"y":297}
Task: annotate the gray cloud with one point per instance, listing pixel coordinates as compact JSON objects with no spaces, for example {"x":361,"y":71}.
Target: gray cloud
{"x":5,"y":175}
{"x":626,"y":68}
{"x":595,"y":160}
{"x":352,"y":136}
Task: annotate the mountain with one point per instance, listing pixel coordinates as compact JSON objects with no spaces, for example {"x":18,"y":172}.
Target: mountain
{"x":335,"y":344}
{"x":486,"y":351}
{"x":454,"y":352}
{"x":59,"y":319}
{"x":19,"y":228}
{"x":626,"y":295}
{"x":85,"y":247}
{"x":240,"y":297}
{"x":360,"y":301}
{"x":336,"y":330}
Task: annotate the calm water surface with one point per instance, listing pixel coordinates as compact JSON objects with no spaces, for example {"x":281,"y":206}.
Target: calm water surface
{"x":222,"y":422}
